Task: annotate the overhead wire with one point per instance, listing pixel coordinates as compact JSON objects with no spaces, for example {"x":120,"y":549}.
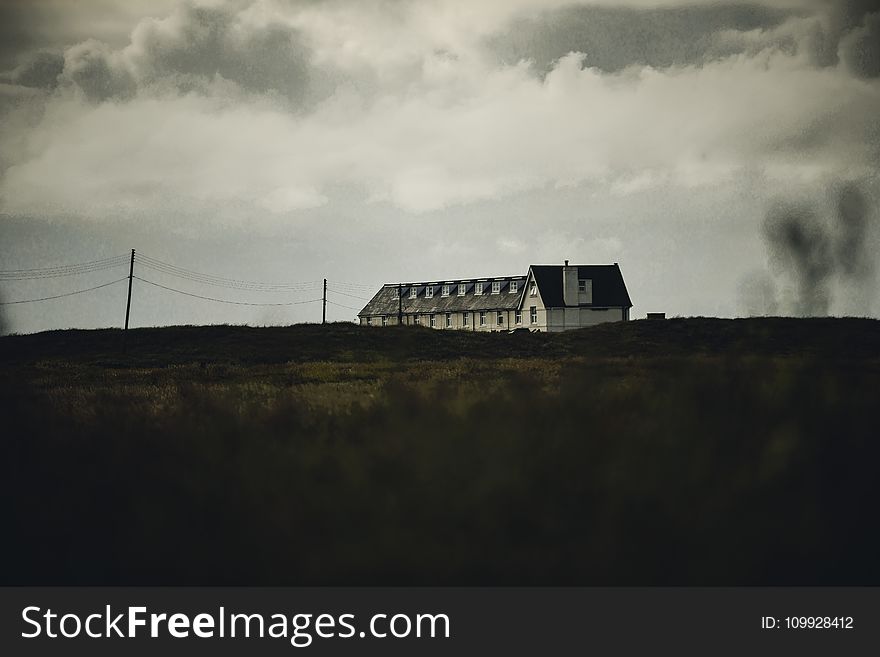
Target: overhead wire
{"x":355,"y":286}
{"x":63,"y":270}
{"x":236,"y":303}
{"x":345,"y":294}
{"x":59,"y":296}
{"x":341,"y":305}
{"x":222,"y":281}
{"x":344,"y":288}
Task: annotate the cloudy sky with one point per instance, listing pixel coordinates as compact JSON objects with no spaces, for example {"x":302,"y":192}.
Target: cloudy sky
{"x":725,"y":154}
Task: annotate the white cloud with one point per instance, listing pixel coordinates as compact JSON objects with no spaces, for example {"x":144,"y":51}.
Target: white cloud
{"x":439,"y":124}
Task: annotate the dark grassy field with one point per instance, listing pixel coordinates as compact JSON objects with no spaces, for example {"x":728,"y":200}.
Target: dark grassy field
{"x":692,"y":451}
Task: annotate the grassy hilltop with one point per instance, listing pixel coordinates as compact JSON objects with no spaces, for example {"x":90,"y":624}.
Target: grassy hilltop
{"x":691,"y":451}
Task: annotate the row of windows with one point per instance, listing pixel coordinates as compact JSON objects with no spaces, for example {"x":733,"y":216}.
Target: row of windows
{"x":461,"y":288}
{"x":480,"y":287}
{"x":465,"y":318}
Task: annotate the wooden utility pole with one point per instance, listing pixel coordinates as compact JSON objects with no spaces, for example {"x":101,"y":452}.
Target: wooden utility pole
{"x":128,"y":303}
{"x":324,"y":312}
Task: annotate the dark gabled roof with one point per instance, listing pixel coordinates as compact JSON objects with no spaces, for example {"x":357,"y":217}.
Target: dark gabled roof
{"x":385,"y":300}
{"x":609,"y":290}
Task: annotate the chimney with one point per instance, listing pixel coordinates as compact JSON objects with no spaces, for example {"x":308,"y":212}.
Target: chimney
{"x":569,"y":285}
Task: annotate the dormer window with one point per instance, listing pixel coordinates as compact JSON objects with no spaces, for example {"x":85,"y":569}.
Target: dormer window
{"x":444,"y":291}
{"x":582,"y":286}
{"x":461,"y":288}
{"x":429,"y":292}
{"x":413,"y":293}
{"x":478,"y":289}
{"x":513,"y":287}
{"x":496,"y":287}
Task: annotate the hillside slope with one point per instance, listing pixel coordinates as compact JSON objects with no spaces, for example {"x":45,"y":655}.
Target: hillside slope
{"x":829,"y":337}
{"x":693,"y":451}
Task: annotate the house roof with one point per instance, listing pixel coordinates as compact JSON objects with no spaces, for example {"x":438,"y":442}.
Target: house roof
{"x":609,"y":290}
{"x":385,"y":300}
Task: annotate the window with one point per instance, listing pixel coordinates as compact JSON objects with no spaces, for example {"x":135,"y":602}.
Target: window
{"x":448,"y":320}
{"x":517,"y":317}
{"x":533,"y":314}
{"x":500,"y":318}
{"x":478,"y":289}
{"x":582,"y":285}
{"x":461,"y":288}
{"x":513,"y":287}
{"x":369,"y":321}
{"x":384,"y":320}
{"x":417,"y":320}
{"x":464,"y":319}
{"x":534,"y":291}
{"x":482,"y":318}
{"x":433,"y":321}
{"x":444,"y":291}
{"x":413,"y":293}
{"x":429,"y":291}
{"x":496,"y":287}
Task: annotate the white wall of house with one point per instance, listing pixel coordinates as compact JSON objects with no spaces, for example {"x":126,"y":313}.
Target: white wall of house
{"x":564,"y":319}
{"x":456,"y":320}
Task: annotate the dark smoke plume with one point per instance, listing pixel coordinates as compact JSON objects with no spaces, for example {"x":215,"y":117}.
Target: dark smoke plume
{"x":816,"y":253}
{"x":852,"y":232}
{"x":799,"y":245}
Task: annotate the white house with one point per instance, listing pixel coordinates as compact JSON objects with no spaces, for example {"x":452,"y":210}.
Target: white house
{"x":547,"y":298}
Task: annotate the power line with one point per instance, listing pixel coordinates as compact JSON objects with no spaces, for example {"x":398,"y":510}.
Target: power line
{"x":217,"y":280}
{"x":237,"y":303}
{"x":221,"y":281}
{"x":355,"y":286}
{"x":346,"y":294}
{"x":74,"y":265}
{"x":68,"y":294}
{"x":229,"y":286}
{"x":341,"y":305}
{"x":57,"y":272}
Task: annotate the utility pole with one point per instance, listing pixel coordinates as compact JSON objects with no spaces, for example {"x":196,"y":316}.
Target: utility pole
{"x":324,"y":312}
{"x":128,"y":303}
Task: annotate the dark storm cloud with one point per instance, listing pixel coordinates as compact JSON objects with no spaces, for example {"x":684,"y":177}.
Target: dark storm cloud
{"x":27,"y":26}
{"x":860,"y":48}
{"x":616,"y":37}
{"x":836,"y":34}
{"x":94,"y":68}
{"x":16,"y":35}
{"x":190,"y":49}
{"x":39,"y":70}
{"x":208,"y":41}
